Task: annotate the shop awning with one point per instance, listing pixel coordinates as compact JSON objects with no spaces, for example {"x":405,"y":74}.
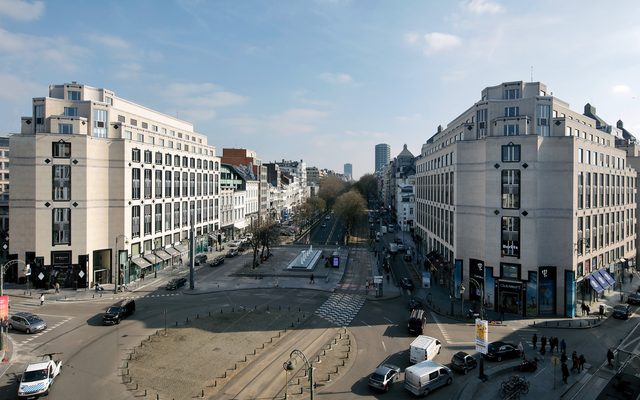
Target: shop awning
{"x":605,"y":274}
{"x":173,"y":252}
{"x":595,"y":285}
{"x":182,"y":248}
{"x":601,"y":280}
{"x":163,"y":255}
{"x":152,"y":258}
{"x":140,"y":262}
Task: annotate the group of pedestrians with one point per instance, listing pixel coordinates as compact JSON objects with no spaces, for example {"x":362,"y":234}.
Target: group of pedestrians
{"x":577,"y":361}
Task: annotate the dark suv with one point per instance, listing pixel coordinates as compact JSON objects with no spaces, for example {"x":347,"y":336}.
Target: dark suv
{"x":118,"y":312}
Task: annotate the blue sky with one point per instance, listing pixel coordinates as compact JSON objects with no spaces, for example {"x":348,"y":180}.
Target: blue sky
{"x":320,"y":80}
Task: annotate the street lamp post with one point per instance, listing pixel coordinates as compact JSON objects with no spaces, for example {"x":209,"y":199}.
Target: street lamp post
{"x":475,"y":282}
{"x":462,"y":289}
{"x":288,"y":365}
{"x":3,"y":269}
{"x":117,"y":263}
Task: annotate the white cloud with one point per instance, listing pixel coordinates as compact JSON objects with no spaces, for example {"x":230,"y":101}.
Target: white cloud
{"x":483,"y":7}
{"x":22,"y":10}
{"x":114,"y":42}
{"x":296,"y":121}
{"x":18,"y":90}
{"x":621,"y":89}
{"x":199,"y":101}
{"x":336,"y":78}
{"x":129,"y":71}
{"x":411,"y":37}
{"x":53,"y":51}
{"x":437,"y":41}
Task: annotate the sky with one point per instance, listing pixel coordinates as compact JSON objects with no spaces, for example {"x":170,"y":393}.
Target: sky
{"x":322,"y":81}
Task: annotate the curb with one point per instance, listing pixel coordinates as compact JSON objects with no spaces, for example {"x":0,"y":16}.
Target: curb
{"x":468,"y":391}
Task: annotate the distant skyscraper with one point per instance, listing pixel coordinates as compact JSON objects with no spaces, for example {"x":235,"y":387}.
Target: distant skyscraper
{"x":348,"y":171}
{"x":383,"y":156}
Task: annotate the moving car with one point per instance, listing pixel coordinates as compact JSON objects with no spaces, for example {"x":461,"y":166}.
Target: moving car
{"x":417,"y":322}
{"x":463,"y":362}
{"x":633,"y":298}
{"x":424,"y":348}
{"x":200,"y":259}
{"x":415,"y":303}
{"x":118,"y":312}
{"x":176,"y":283}
{"x":217,"y":261}
{"x":423,"y":378}
{"x":621,"y":311}
{"x":27,"y":322}
{"x":232,"y":253}
{"x":406,"y":283}
{"x":384,"y":376}
{"x":498,"y":351}
{"x":37,"y":378}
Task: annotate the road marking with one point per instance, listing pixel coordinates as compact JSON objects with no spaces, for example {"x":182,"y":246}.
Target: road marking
{"x":383,"y":346}
{"x":365,"y":323}
{"x":388,"y":320}
{"x":539,"y":372}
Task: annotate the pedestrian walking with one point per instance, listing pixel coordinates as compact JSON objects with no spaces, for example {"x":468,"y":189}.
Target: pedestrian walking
{"x":610,"y":357}
{"x":563,"y":358}
{"x":552,"y":344}
{"x":57,"y":287}
{"x":534,"y":341}
{"x":543,"y":345}
{"x":588,"y":309}
{"x":42,"y":299}
{"x":565,"y":372}
{"x":581,"y":361}
{"x":521,"y":350}
{"x":142,"y":276}
{"x":574,"y":361}
{"x":563,"y":346}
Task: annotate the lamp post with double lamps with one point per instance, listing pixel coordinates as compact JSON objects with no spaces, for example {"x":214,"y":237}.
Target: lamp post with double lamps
{"x":475,"y":282}
{"x":3,"y":269}
{"x":288,"y":365}
{"x":462,"y":289}
{"x":117,"y":263}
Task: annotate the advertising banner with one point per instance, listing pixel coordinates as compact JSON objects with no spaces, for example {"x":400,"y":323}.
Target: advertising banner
{"x":426,"y":280}
{"x":482,"y":336}
{"x":532,"y":294}
{"x":569,"y":294}
{"x":4,"y":308}
{"x":489,"y":289}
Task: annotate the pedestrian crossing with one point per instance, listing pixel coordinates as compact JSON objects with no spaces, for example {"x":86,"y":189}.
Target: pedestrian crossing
{"x":341,"y":308}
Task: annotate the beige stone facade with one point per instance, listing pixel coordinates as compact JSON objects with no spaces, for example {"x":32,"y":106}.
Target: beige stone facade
{"x":527,"y":198}
{"x":95,"y":174}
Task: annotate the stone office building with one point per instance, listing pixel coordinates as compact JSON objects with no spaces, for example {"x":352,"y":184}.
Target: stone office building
{"x":95,"y":175}
{"x":526,"y":202}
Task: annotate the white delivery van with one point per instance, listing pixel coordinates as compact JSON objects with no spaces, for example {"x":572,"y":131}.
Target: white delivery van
{"x":426,"y":376}
{"x":424,"y":348}
{"x":393,"y":248}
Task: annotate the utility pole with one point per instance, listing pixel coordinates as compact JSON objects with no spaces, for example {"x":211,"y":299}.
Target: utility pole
{"x":192,"y":253}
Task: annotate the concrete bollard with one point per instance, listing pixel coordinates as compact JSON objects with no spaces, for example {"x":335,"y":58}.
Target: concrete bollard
{"x":157,"y":396}
{"x":202,"y":394}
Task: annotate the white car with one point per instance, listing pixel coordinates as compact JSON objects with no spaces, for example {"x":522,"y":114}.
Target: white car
{"x":38,"y":378}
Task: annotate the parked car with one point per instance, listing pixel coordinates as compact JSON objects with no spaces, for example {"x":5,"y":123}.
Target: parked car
{"x":406,"y":283}
{"x":176,"y":283}
{"x":415,"y":303}
{"x":118,"y":312}
{"x":217,"y":261}
{"x":621,"y":311}
{"x":200,"y":259}
{"x":27,"y":322}
{"x":633,"y":298}
{"x":498,"y":351}
{"x":463,"y":362}
{"x":232,"y":253}
{"x":401,"y":247}
{"x":384,"y":376}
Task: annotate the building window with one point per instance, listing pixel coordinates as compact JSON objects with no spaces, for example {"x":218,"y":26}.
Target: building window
{"x":511,"y":236}
{"x":167,"y":217}
{"x":121,"y":118}
{"x":176,"y":161}
{"x":543,"y":113}
{"x":145,"y":125}
{"x":147,"y":219}
{"x":135,"y":221}
{"x":199,"y":185}
{"x":176,"y":215}
{"x":511,"y":188}
{"x":167,"y":184}
{"x":167,"y":159}
{"x":158,"y":158}
{"x":65,"y":129}
{"x":205,"y":184}
{"x":192,"y":184}
{"x":511,"y":94}
{"x":158,"y":218}
{"x":185,"y":183}
{"x":61,"y":150}
{"x":61,"y":182}
{"x":176,"y":184}
{"x":61,"y":226}
{"x":185,"y":162}
{"x":511,"y":153}
{"x":158,"y":184}
{"x":185,"y":213}
{"x":511,"y":111}
{"x":38,"y":114}
{"x":135,"y":155}
{"x":73,"y":95}
{"x":511,"y":130}
{"x":147,"y":183}
{"x":135,"y":183}
{"x":147,"y":156}
{"x":510,"y":271}
{"x":199,"y":164}
{"x":199,"y":211}
{"x":71,"y":111}
{"x":100,"y":123}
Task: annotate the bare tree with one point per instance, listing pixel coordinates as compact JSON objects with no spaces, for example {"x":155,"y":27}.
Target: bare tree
{"x":264,"y":234}
{"x":349,"y":207}
{"x":330,"y":188}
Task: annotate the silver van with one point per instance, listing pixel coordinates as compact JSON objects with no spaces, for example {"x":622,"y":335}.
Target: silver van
{"x":426,"y":376}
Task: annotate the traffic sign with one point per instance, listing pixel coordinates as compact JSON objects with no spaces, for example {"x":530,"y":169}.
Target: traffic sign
{"x":41,"y":276}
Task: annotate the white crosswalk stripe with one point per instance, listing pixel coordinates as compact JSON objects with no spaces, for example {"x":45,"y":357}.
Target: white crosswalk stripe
{"x":341,"y":308}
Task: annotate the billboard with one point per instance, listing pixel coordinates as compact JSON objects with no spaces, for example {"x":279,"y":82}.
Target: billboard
{"x":482,"y":336}
{"x":4,"y":308}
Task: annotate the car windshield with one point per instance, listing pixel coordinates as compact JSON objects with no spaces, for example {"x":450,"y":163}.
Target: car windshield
{"x":113,"y":310}
{"x":33,"y":319}
{"x":494,"y":346}
{"x":620,"y":308}
{"x":458,"y":358}
{"x":32,"y":376}
{"x":377,"y":377}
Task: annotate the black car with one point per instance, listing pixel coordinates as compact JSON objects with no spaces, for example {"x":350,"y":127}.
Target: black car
{"x":118,"y":312}
{"x":498,"y":351}
{"x":415,"y":304}
{"x":232,"y":253}
{"x":217,"y":261}
{"x":463,"y":362}
{"x":621,"y":311}
{"x":176,"y":283}
{"x":633,"y":298}
{"x":200,"y":259}
{"x":406,"y":283}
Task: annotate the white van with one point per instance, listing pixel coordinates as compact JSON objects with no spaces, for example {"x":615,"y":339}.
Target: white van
{"x":426,"y":376}
{"x":424,"y":348}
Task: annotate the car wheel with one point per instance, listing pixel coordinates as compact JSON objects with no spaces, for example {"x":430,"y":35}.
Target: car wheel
{"x":27,"y":331}
{"x":426,"y":393}
{"x":118,"y":321}
{"x":449,"y":381}
{"x":10,"y":326}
